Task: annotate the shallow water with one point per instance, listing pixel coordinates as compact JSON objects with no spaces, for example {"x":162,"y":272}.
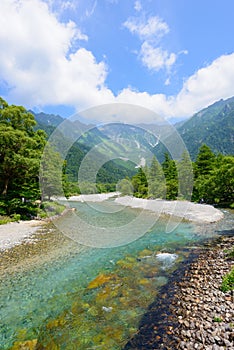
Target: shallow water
{"x":93,"y":298}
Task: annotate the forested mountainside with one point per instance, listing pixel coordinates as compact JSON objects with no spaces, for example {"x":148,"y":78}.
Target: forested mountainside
{"x":213,"y":126}
{"x":110,"y":172}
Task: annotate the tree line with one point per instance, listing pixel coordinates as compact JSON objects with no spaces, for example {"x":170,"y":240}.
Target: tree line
{"x":210,"y":179}
{"x":23,"y":169}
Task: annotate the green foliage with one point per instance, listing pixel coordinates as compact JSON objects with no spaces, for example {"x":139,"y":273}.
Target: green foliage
{"x":115,"y":170}
{"x":140,"y":184}
{"x":171,"y":175}
{"x":185,"y":175}
{"x":216,"y":184}
{"x":87,"y":188}
{"x":213,"y":126}
{"x":20,"y":151}
{"x":231,"y":254}
{"x":125,"y":187}
{"x":205,"y":161}
{"x":51,"y":170}
{"x":106,"y":187}
{"x":156,"y":180}
{"x":52,"y":208}
{"x":228,"y":282}
{"x":6,"y":219}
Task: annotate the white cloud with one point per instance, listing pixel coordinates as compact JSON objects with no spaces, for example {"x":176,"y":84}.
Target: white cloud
{"x":156,"y":58}
{"x":37,"y":64}
{"x":207,"y":85}
{"x":90,"y":12}
{"x":154,"y":28}
{"x":138,"y":6}
{"x":151,"y":32}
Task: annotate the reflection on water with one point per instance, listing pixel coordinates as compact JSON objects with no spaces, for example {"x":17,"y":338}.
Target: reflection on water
{"x":90,"y":298}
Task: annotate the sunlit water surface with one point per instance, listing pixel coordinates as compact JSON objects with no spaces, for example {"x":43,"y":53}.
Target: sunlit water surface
{"x":93,"y":298}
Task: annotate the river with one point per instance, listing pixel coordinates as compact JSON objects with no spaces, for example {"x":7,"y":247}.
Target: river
{"x":87,"y":297}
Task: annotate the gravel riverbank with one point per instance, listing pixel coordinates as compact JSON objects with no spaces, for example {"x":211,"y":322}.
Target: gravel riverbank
{"x":192,"y":312}
{"x":196,"y":212}
{"x":15,"y":233}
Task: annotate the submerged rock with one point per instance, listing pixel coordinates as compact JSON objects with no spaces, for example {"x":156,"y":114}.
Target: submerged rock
{"x":192,"y":312}
{"x":99,"y":281}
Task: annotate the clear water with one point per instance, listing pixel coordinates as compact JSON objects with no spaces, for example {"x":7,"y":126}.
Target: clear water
{"x":57,"y":297}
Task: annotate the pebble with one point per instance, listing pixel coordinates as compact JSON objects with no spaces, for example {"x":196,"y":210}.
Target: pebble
{"x":201,"y":315}
{"x":210,"y":325}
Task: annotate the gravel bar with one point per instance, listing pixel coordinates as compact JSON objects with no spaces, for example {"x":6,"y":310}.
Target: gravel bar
{"x":192,"y":312}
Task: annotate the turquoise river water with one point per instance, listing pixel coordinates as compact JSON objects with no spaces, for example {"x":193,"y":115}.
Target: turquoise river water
{"x":93,"y":298}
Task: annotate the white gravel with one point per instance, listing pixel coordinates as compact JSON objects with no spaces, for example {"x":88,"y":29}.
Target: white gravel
{"x":201,"y":213}
{"x":98,"y":197}
{"x":14,"y":233}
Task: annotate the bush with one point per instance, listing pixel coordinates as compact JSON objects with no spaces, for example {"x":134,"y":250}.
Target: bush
{"x":6,"y":219}
{"x":52,"y":209}
{"x":228,"y":281}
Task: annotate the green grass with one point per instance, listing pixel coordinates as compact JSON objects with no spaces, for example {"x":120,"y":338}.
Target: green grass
{"x":6,"y":219}
{"x":228,"y":281}
{"x":51,"y":209}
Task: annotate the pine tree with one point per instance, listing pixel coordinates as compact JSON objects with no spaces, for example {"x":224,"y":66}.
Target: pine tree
{"x":171,"y":175}
{"x":156,"y":179}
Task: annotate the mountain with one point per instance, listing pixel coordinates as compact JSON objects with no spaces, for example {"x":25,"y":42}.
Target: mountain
{"x":88,"y":141}
{"x":213,"y":126}
{"x":47,"y":119}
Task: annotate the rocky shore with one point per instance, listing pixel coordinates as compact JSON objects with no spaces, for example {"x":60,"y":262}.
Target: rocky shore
{"x":195,"y":212}
{"x":192,"y":313}
{"x":14,"y":233}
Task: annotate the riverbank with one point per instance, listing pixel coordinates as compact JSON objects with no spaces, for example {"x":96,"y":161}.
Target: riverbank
{"x":200,"y":213}
{"x":15,"y":233}
{"x":192,"y":312}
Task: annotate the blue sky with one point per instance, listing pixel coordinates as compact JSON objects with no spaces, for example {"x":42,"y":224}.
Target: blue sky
{"x":174,"y":57}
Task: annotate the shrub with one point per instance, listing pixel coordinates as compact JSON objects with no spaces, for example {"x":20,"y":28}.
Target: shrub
{"x":228,"y":281}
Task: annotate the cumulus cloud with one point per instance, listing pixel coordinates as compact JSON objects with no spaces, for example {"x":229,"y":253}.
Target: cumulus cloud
{"x":36,"y":59}
{"x":150,"y":31}
{"x":152,"y":28}
{"x":204,"y":87}
{"x":156,"y":58}
{"x":207,"y":85}
{"x":40,"y":66}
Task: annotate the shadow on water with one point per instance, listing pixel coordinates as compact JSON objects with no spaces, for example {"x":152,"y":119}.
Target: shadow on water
{"x":155,"y":329}
{"x":226,"y":233}
{"x":156,"y":324}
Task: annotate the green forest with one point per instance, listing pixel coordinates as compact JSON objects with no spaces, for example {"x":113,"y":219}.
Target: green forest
{"x":22,"y":170}
{"x":210,"y":179}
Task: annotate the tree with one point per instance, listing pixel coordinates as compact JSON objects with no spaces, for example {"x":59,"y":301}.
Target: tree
{"x":52,"y":173}
{"x":20,"y":149}
{"x":125,"y":187}
{"x":156,"y":180}
{"x":218,"y":187}
{"x":140,"y":184}
{"x":185,"y":174}
{"x":171,"y":175}
{"x":205,"y":161}
{"x":202,"y":168}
